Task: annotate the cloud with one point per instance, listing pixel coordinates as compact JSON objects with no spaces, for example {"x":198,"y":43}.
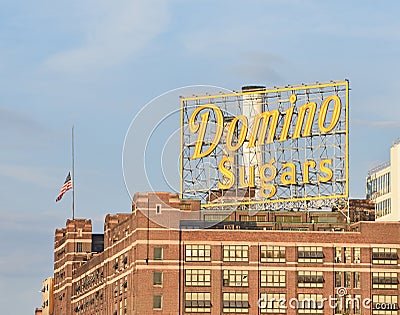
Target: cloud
{"x":259,"y":66}
{"x":113,"y":32}
{"x":27,"y":174}
{"x":378,"y":123}
{"x":13,"y":121}
{"x":20,"y":132}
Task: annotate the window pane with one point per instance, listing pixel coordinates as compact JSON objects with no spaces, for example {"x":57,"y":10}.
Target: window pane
{"x":158,"y":253}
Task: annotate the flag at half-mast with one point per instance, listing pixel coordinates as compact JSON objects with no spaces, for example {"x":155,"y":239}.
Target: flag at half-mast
{"x":67,"y":186}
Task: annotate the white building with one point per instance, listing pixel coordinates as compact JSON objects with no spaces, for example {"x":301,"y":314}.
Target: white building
{"x":383,"y":187}
{"x":48,"y":297}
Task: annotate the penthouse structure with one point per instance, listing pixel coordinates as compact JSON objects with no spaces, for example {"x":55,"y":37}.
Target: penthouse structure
{"x":156,"y":260}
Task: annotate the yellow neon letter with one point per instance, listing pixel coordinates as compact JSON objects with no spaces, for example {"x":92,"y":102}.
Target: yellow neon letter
{"x":335,"y":115}
{"x":228,"y":176}
{"x":286,"y":124}
{"x":300,"y":120}
{"x":272,"y":169}
{"x":231,"y":133}
{"x":201,"y":129}
{"x":250,"y":179}
{"x":267,"y":118}
{"x":265,"y":186}
{"x":291,"y":174}
{"x":325,"y":170}
{"x":306,"y":166}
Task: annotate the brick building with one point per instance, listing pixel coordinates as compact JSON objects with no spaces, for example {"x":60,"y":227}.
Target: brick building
{"x":242,"y":266}
{"x":361,"y":210}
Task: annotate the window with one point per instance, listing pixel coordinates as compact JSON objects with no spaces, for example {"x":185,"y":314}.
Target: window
{"x":347,"y":279}
{"x":216,"y":217}
{"x":185,"y":206}
{"x":157,"y":278}
{"x":253,"y":218}
{"x":197,"y":302}
{"x":198,"y":253}
{"x":235,"y":278}
{"x":273,"y":278}
{"x":116,"y":289}
{"x":384,"y":280}
{"x":158,"y":253}
{"x":273,"y":303}
{"x":338,"y":255}
{"x":79,"y":247}
{"x":310,"y":254}
{"x":235,"y":302}
{"x":385,"y":305}
{"x":272,"y":253}
{"x":348,"y":303}
{"x":158,"y":209}
{"x":310,"y":279}
{"x":236,"y":252}
{"x":357,"y":304}
{"x":384,"y":256}
{"x":347,"y":254}
{"x":157,"y":302}
{"x":338,"y":279}
{"x":198,"y":277}
{"x":321,"y":219}
{"x":125,"y":284}
{"x":289,"y":219}
{"x":356,"y":280}
{"x":356,"y":255}
{"x":383,"y":208}
{"x":310,"y":304}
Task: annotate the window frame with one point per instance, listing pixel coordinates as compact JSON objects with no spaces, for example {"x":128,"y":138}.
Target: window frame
{"x":197,"y":277}
{"x":265,"y":274}
{"x":228,"y":274}
{"x":156,"y":256}
{"x":241,"y":253}
{"x":272,"y":254}
{"x":203,"y":252}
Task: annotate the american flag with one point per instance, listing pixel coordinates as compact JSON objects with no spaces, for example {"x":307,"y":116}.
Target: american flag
{"x":67,"y":186}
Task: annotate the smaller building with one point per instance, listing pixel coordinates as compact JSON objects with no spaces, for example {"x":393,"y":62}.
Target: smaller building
{"x":47,"y":297}
{"x":361,"y":210}
{"x":38,"y":311}
{"x":383,"y":187}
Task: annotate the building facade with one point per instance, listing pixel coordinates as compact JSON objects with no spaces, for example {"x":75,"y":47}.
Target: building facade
{"x":269,"y":262}
{"x":383,"y":187}
{"x":48,"y":296}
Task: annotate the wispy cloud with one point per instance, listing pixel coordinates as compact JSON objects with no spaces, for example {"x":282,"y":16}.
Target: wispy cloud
{"x":113,"y":32}
{"x":27,"y":174}
{"x":378,"y":123}
{"x":14,"y":121}
{"x":259,"y":66}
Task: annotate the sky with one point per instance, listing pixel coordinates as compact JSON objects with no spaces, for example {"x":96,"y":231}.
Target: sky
{"x":95,"y":64}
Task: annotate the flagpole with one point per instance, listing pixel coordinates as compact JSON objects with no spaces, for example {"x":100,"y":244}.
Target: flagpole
{"x":73,"y":176}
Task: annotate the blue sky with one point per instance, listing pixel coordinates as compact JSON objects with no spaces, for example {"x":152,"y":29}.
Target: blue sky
{"x":96,"y":63}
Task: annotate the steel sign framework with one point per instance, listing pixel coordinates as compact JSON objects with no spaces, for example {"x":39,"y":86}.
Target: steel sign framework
{"x":266,"y":149}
